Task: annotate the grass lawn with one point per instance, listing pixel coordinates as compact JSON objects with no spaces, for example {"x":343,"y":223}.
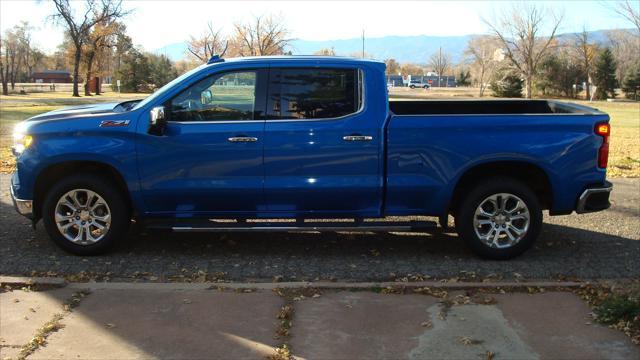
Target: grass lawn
{"x":624,"y":157}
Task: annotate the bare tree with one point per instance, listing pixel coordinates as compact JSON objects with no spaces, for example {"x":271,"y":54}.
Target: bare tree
{"x":440,"y":62}
{"x":79,"y":28}
{"x":11,"y":62}
{"x":518,"y":30}
{"x":628,"y":12}
{"x":4,"y":73}
{"x":585,"y":52}
{"x":481,"y":50}
{"x":209,"y":44}
{"x":263,"y":36}
{"x":326,"y":52}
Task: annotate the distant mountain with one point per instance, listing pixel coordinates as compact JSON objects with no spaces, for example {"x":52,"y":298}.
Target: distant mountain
{"x":405,"y":49}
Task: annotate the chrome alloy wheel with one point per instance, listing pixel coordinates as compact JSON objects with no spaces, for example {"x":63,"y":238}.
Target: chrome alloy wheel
{"x":501,"y":220}
{"x":82,"y":216}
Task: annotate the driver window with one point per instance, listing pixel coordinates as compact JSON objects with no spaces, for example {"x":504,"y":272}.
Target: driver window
{"x":229,"y":96}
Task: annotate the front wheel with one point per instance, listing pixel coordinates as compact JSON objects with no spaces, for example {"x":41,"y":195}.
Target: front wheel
{"x":85,"y":214}
{"x":412,"y":86}
{"x":499,"y":218}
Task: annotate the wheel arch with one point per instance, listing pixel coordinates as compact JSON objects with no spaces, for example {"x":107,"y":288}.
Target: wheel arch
{"x":55,"y":172}
{"x":528,"y":173}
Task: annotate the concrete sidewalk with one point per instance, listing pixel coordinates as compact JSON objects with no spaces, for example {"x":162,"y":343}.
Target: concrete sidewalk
{"x":166,"y":321}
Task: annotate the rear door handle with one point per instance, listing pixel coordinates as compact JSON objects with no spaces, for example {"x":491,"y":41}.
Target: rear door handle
{"x":242,"y":139}
{"x":357,"y":138}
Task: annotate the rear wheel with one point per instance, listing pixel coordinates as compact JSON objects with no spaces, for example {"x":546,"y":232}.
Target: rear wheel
{"x":499,"y":218}
{"x":85,"y":214}
{"x":412,"y":86}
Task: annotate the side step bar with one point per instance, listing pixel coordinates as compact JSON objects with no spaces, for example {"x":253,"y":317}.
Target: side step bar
{"x":258,"y":226}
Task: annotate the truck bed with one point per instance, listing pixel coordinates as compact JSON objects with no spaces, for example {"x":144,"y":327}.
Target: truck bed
{"x":431,"y":143}
{"x":485,"y":107}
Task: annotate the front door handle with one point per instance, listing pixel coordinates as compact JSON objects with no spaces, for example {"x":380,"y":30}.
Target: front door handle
{"x":357,"y":138}
{"x":242,"y":139}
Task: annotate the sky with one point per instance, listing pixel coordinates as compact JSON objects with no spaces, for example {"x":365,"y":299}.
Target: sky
{"x":154,"y":24}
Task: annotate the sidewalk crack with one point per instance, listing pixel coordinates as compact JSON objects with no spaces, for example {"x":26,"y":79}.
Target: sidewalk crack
{"x":54,"y":324}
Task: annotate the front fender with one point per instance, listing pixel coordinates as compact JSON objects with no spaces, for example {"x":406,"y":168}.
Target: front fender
{"x":113,"y":148}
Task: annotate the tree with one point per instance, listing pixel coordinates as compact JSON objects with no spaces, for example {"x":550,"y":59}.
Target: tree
{"x":625,"y":48}
{"x":262,"y":36}
{"x":464,"y":78}
{"x":326,"y":52}
{"x":79,"y":28}
{"x":393,"y":67}
{"x":9,"y":52}
{"x":519,"y":34}
{"x":135,"y":72}
{"x":481,"y":50}
{"x":605,"y":75}
{"x":411,"y":69}
{"x":627,"y":11}
{"x":4,"y":73}
{"x":99,"y":38}
{"x":585,"y":52}
{"x":210,"y":43}
{"x":506,"y":83}
{"x":558,"y":74}
{"x":440,"y":62}
{"x":161,"y":70}
{"x":631,"y":82}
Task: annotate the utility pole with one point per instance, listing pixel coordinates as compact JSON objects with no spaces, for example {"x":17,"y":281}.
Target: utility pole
{"x":363,"y":43}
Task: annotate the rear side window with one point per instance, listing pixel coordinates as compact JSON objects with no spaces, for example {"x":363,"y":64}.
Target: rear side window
{"x":313,"y":93}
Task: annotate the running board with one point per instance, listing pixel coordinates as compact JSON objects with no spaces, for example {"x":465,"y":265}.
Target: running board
{"x":374,"y":226}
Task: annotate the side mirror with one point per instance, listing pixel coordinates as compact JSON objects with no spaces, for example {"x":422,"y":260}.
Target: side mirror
{"x":157,"y":121}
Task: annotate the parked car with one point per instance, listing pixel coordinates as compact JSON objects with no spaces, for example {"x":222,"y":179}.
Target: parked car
{"x":418,"y":84}
{"x":306,"y":138}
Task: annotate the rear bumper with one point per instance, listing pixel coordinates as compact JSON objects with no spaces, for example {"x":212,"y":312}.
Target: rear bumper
{"x":594,"y":199}
{"x":23,"y":207}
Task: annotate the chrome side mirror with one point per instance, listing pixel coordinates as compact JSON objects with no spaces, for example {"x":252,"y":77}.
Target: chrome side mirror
{"x":157,"y":121}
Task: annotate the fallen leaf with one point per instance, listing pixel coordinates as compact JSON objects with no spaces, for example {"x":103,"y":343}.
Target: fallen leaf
{"x":426,"y":324}
{"x":186,"y":301}
{"x":110,"y":326}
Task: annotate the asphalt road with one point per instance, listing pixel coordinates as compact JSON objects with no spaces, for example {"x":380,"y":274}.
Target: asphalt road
{"x":603,"y":245}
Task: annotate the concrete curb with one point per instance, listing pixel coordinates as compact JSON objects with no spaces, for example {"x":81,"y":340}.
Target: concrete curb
{"x":60,"y":282}
{"x":27,"y":280}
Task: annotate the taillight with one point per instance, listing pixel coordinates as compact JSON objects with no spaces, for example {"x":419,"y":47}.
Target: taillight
{"x":604,"y":130}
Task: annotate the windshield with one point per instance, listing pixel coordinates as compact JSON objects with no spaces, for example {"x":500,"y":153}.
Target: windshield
{"x":168,"y":86}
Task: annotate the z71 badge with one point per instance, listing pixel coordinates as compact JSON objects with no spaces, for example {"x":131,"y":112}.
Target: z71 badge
{"x":112,"y":123}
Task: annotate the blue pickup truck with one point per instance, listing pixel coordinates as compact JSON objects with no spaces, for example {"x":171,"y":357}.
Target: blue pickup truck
{"x":297,"y":143}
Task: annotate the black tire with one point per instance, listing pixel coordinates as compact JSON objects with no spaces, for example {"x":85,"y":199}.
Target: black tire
{"x":412,"y":86}
{"x":465,"y":213}
{"x":120,"y":214}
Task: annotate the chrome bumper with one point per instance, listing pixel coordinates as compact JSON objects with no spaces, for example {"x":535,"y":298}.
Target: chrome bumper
{"x":23,"y":207}
{"x":594,"y":199}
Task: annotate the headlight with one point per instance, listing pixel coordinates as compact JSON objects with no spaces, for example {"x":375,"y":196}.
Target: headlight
{"x":21,"y":140}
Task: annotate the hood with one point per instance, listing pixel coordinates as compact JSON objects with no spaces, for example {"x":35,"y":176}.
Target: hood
{"x":73,"y":111}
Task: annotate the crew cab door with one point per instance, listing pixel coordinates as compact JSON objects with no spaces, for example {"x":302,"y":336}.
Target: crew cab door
{"x":322,"y":144}
{"x":210,"y":158}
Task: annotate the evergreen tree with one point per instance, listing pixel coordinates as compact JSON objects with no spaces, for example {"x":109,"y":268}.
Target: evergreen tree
{"x":631,"y":82}
{"x":507,"y":84}
{"x":605,"y":75}
{"x":464,"y":78}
